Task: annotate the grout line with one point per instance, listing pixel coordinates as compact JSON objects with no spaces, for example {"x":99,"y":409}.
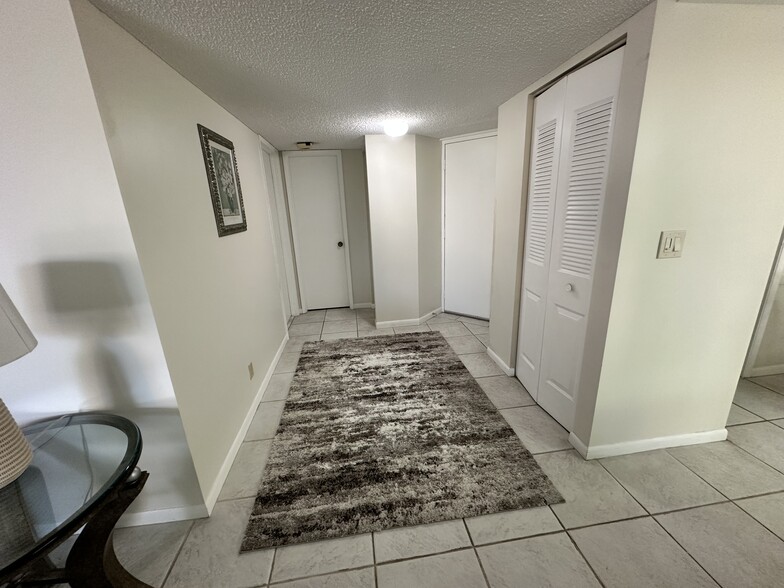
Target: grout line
{"x":321,"y":575}
{"x":375,"y":569}
{"x":763,"y":386}
{"x":585,"y":559}
{"x":683,"y":547}
{"x":272,"y":565}
{"x":622,"y":485}
{"x":177,"y":555}
{"x":476,"y":553}
{"x":675,"y":457}
{"x":549,"y":451}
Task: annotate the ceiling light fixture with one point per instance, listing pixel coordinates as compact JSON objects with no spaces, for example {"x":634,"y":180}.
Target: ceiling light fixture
{"x":395,"y":128}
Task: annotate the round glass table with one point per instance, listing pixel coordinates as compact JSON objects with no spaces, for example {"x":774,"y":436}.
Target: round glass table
{"x":83,"y":476}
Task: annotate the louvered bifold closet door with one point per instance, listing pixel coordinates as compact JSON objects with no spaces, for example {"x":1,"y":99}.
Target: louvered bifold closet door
{"x":543,"y":177}
{"x":589,"y":114}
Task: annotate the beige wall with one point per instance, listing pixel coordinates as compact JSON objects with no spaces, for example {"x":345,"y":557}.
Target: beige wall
{"x":392,"y":183}
{"x":216,"y":300}
{"x":358,"y":219}
{"x":68,"y":261}
{"x":708,"y":161}
{"x":428,"y":169}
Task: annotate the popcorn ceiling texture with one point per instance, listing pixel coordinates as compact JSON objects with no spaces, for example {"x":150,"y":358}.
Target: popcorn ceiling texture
{"x":331,"y":71}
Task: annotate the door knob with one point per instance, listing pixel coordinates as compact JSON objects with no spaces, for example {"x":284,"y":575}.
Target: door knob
{"x":340,"y":243}
{"x":569,"y":287}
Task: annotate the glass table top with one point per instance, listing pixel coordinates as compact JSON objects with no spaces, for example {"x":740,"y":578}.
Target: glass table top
{"x":77,"y":459}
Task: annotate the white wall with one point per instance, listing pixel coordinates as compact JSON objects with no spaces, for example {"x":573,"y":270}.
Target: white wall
{"x":216,"y":300}
{"x":392,"y":184}
{"x":68,"y":260}
{"x":708,"y":161}
{"x":357,"y":217}
{"x":429,"y":217}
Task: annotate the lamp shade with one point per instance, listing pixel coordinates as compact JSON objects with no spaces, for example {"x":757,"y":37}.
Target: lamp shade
{"x":16,"y":339}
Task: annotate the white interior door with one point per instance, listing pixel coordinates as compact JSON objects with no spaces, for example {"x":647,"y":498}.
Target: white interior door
{"x":314,"y":181}
{"x":589,"y":114}
{"x":546,"y":149}
{"x":469,"y":192}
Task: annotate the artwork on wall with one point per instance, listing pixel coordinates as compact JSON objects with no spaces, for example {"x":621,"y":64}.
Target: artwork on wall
{"x":220,"y":162}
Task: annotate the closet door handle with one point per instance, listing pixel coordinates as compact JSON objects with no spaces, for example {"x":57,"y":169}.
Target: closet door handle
{"x":569,"y":287}
{"x":340,"y":243}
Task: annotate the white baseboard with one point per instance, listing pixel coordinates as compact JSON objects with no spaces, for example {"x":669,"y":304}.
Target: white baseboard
{"x":166,"y":515}
{"x":507,"y":370}
{"x":408,"y":322}
{"x":212,"y":496}
{"x":609,"y":450}
{"x":768,"y":370}
{"x":363,"y":305}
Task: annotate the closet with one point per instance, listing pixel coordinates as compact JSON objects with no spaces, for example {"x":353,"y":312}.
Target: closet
{"x":571,"y":140}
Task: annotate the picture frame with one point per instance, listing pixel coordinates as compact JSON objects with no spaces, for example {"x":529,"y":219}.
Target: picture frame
{"x":220,"y":162}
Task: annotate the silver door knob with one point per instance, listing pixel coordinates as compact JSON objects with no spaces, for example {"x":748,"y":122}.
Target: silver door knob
{"x":569,"y":287}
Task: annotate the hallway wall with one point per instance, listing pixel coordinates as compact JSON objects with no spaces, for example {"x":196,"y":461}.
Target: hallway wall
{"x":216,"y":300}
{"x":68,"y":261}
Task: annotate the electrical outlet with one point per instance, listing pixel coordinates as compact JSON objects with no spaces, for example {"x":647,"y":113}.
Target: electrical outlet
{"x":670,"y":244}
{"x":250,"y":370}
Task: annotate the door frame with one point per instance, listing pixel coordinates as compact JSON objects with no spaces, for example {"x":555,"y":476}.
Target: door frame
{"x":444,"y":142}
{"x":283,"y":224}
{"x":287,"y":155}
{"x":776,"y":275}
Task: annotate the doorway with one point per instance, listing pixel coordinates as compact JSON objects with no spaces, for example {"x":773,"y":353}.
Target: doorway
{"x":314,"y":182}
{"x":469,"y":205}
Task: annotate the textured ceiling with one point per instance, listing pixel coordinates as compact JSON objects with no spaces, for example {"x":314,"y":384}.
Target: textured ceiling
{"x":331,"y":71}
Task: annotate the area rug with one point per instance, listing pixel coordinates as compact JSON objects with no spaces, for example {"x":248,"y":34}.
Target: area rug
{"x":383,"y":432}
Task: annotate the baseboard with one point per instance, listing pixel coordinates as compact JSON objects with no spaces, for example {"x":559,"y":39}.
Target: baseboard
{"x":212,"y":496}
{"x":165,"y":515}
{"x":507,"y":370}
{"x":769,"y":370}
{"x":363,"y":305}
{"x":627,"y":447}
{"x":409,"y":322}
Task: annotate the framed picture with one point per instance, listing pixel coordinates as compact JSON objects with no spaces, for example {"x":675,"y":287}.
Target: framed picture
{"x":224,"y":179}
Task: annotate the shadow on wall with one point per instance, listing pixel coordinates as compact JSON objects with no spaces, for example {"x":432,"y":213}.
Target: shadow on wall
{"x":90,"y":303}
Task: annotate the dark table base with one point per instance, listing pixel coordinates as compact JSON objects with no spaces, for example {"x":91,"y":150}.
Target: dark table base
{"x":92,"y":562}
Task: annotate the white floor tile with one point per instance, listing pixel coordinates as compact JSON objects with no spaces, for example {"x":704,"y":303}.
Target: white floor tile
{"x":513,"y":524}
{"x":459,"y":569}
{"x":278,"y":387}
{"x":407,"y":542}
{"x":322,"y":557}
{"x":730,"y":470}
{"x":639,"y":553}
{"x":480,"y":365}
{"x":660,"y":482}
{"x":245,"y":474}
{"x":538,"y":431}
{"x":768,"y":510}
{"x":765,"y":441}
{"x":732,"y":547}
{"x":211,"y":555}
{"x":505,"y":392}
{"x":265,"y":423}
{"x":592,"y":495}
{"x":550,"y":560}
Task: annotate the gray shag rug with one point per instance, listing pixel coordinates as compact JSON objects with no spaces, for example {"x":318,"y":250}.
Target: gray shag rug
{"x":383,"y":432}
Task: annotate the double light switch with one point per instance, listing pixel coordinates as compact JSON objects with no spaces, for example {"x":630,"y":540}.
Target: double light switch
{"x":671,"y":244}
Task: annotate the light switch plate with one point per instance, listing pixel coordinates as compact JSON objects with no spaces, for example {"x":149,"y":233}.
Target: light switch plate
{"x":671,"y":244}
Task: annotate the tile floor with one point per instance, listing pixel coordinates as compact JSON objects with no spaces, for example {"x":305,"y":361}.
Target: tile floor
{"x":691,"y":516}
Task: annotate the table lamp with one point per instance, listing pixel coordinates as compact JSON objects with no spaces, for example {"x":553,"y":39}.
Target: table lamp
{"x":16,"y":340}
